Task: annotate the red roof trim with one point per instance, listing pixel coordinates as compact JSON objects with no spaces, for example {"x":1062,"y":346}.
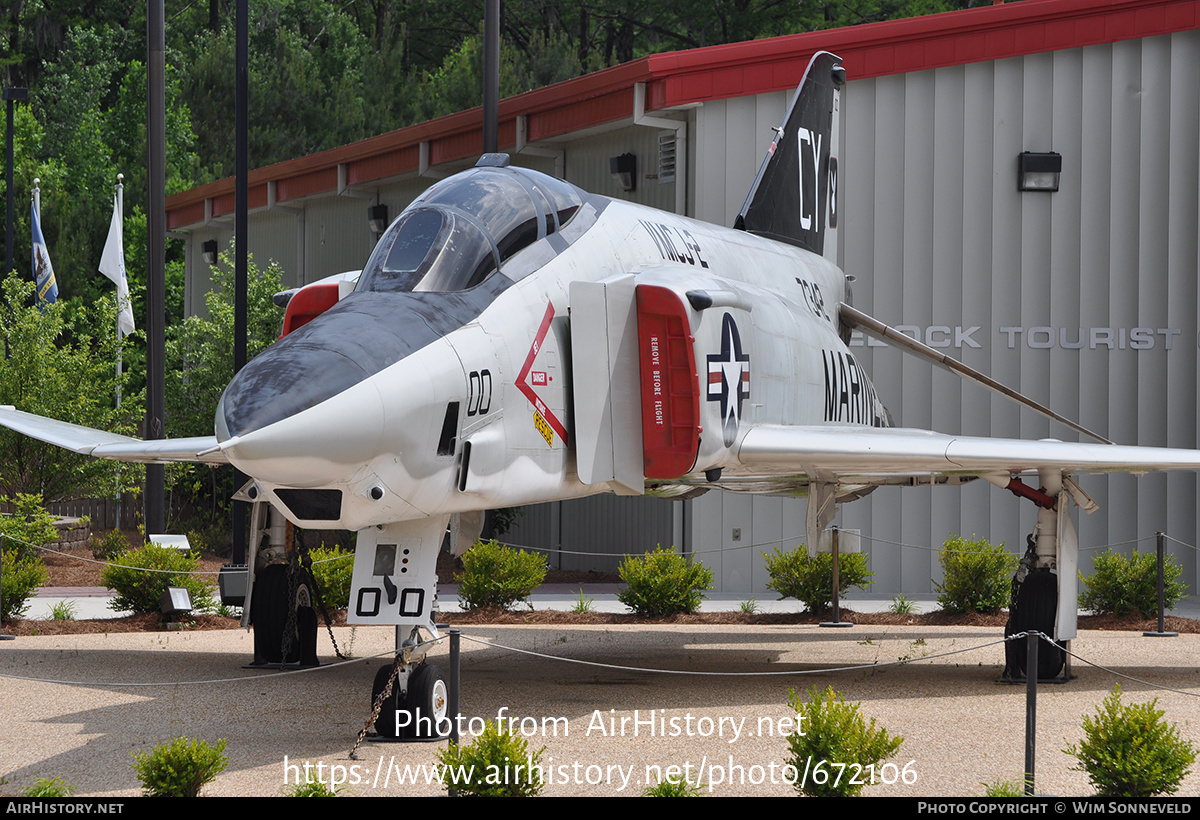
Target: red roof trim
{"x":717,"y":72}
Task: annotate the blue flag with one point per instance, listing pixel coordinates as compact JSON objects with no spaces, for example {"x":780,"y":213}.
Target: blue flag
{"x":43,"y":271}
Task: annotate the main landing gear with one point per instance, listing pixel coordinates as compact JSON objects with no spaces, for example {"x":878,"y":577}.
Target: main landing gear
{"x":1044,"y":589}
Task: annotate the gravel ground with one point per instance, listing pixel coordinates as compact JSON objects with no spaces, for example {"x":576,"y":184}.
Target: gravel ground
{"x":961,"y":727}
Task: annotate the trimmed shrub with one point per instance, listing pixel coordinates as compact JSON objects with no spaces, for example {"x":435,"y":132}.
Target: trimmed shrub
{"x":976,"y":575}
{"x":834,"y":733}
{"x":312,"y":789}
{"x":810,"y":580}
{"x":1130,"y":751}
{"x":49,"y":787}
{"x":211,"y":539}
{"x":1004,"y":788}
{"x":662,"y":583}
{"x":179,"y":768}
{"x":676,"y":786}
{"x":140,"y":576}
{"x":21,"y":578}
{"x":494,"y":764}
{"x":332,"y":569}
{"x":499,"y":576}
{"x":1128,"y":585}
{"x":109,"y":545}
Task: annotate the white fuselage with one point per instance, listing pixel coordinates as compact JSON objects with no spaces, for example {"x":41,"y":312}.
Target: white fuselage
{"x":509,"y":370}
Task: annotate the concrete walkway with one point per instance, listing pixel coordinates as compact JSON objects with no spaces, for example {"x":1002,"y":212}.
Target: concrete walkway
{"x":92,"y":602}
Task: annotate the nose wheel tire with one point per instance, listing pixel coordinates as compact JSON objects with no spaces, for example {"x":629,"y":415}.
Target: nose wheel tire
{"x":417,"y":715}
{"x":428,"y":700}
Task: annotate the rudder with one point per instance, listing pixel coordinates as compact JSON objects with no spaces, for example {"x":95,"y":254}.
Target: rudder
{"x":794,"y":196}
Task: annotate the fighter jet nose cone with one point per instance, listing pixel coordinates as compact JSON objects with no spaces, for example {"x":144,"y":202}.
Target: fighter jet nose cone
{"x":280,"y":382}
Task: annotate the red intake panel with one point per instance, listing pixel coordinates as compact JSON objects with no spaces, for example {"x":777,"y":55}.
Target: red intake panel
{"x":308,"y":303}
{"x":670,"y":389}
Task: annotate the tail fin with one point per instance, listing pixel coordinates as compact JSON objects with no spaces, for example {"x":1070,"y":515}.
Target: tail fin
{"x":794,"y":196}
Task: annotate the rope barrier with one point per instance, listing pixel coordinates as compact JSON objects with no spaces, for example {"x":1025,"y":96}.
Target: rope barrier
{"x":614,"y":667}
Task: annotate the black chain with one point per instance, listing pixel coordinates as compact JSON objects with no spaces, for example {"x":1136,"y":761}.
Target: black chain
{"x":306,"y":562}
{"x":377,"y":707}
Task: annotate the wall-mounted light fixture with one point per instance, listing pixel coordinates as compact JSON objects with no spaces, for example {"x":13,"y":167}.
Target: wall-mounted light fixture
{"x":209,"y":250}
{"x":624,"y":171}
{"x":377,"y":218}
{"x":1038,"y":172}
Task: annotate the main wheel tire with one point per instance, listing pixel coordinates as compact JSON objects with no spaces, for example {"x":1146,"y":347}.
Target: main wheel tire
{"x":429,"y":701}
{"x":1037,"y":609}
{"x":385,"y":724}
{"x":269,"y":613}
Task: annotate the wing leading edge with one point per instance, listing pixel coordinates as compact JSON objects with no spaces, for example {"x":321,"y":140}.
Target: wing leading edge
{"x":862,"y":453}
{"x":100,"y":444}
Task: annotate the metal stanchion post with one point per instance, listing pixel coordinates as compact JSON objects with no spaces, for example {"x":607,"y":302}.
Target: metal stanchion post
{"x":837,"y":582}
{"x":1162,"y":595}
{"x":452,"y":704}
{"x":1031,"y":676}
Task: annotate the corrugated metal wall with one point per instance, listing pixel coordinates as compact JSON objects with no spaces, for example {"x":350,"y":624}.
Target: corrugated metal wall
{"x":1031,"y":288}
{"x":594,"y":533}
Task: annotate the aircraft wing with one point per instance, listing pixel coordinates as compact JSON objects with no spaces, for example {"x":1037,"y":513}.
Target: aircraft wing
{"x":101,"y":444}
{"x":849,"y":452}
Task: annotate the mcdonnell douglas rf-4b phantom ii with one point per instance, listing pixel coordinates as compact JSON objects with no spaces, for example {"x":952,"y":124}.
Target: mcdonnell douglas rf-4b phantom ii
{"x":513,"y":339}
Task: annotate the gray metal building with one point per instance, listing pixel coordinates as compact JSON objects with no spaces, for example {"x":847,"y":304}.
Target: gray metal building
{"x":1084,"y":298}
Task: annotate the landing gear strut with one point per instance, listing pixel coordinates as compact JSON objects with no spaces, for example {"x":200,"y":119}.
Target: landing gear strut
{"x":415,"y":706}
{"x":1033,"y":609}
{"x":1044,"y":588}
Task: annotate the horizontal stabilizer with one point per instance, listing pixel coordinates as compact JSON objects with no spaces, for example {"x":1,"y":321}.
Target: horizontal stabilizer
{"x":101,"y":444}
{"x":873,"y":327}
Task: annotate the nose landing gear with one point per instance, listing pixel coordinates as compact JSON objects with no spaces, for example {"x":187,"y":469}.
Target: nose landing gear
{"x":409,"y":698}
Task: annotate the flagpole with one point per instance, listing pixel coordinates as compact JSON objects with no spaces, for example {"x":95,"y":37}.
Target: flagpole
{"x":121,"y":220}
{"x":37,"y":197}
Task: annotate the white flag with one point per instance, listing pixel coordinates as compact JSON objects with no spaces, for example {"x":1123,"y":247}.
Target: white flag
{"x":112,"y":265}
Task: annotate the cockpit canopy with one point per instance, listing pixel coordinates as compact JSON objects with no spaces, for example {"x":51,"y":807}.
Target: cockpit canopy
{"x":460,"y":231}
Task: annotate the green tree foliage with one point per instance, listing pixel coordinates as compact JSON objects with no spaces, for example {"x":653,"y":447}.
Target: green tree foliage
{"x":1130,"y":751}
{"x":29,"y":526}
{"x":199,"y":365}
{"x":322,"y":73}
{"x":1128,"y":584}
{"x":976,"y":575}
{"x":61,"y":362}
{"x":834,"y":733}
{"x":662,"y":583}
{"x":332,"y":569}
{"x":793,"y":574}
{"x":88,"y":115}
